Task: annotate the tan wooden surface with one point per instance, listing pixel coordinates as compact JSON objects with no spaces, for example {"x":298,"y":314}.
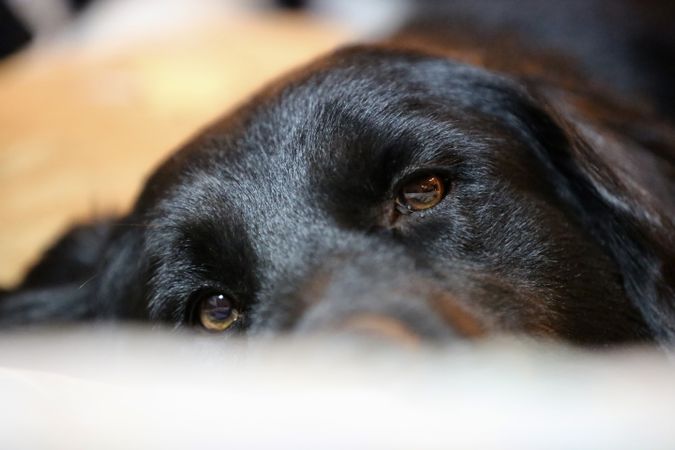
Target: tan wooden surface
{"x":80,"y":130}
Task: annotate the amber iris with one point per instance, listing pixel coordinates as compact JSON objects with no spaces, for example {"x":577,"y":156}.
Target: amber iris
{"x":422,"y":193}
{"x":217,"y":313}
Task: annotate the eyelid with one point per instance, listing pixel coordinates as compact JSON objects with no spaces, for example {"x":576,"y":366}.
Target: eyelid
{"x":441,"y":163}
{"x":445,"y":173}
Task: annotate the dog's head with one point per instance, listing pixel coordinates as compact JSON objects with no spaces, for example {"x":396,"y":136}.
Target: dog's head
{"x":399,"y":193}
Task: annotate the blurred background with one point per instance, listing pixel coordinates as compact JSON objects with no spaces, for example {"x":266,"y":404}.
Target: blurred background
{"x":95,"y":93}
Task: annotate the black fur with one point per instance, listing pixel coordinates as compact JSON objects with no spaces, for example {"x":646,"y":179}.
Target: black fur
{"x":558,"y":221}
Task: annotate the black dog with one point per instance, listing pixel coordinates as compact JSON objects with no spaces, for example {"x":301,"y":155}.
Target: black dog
{"x":495,"y":167}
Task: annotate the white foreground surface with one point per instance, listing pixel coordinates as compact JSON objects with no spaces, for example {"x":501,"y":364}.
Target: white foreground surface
{"x":128,"y":389}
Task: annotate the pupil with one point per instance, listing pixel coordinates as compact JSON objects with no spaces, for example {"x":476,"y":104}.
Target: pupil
{"x":220,"y":314}
{"x":422,"y":192}
{"x":218,"y":308}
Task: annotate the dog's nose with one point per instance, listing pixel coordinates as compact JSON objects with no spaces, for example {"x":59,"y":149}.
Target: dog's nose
{"x":380,"y":328}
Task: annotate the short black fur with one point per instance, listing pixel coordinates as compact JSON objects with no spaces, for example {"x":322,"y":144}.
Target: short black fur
{"x":557,"y":222}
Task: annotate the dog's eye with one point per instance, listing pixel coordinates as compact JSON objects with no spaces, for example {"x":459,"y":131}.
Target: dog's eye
{"x":421,"y":193}
{"x":217,"y":313}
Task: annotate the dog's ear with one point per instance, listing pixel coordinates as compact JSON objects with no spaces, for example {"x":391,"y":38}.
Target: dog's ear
{"x":56,"y":287}
{"x":73,"y":280}
{"x":617,"y":173}
{"x":72,"y":258}
{"x":56,"y":304}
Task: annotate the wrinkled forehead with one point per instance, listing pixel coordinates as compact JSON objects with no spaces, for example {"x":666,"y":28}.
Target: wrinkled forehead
{"x":359,"y":87}
{"x":353,"y":92}
{"x":341,"y":116}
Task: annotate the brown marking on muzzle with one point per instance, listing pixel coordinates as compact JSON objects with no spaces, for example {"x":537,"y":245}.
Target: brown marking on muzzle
{"x":380,"y":327}
{"x":462,"y":321}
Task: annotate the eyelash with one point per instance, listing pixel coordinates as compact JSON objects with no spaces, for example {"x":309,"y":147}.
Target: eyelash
{"x":443,"y":172}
